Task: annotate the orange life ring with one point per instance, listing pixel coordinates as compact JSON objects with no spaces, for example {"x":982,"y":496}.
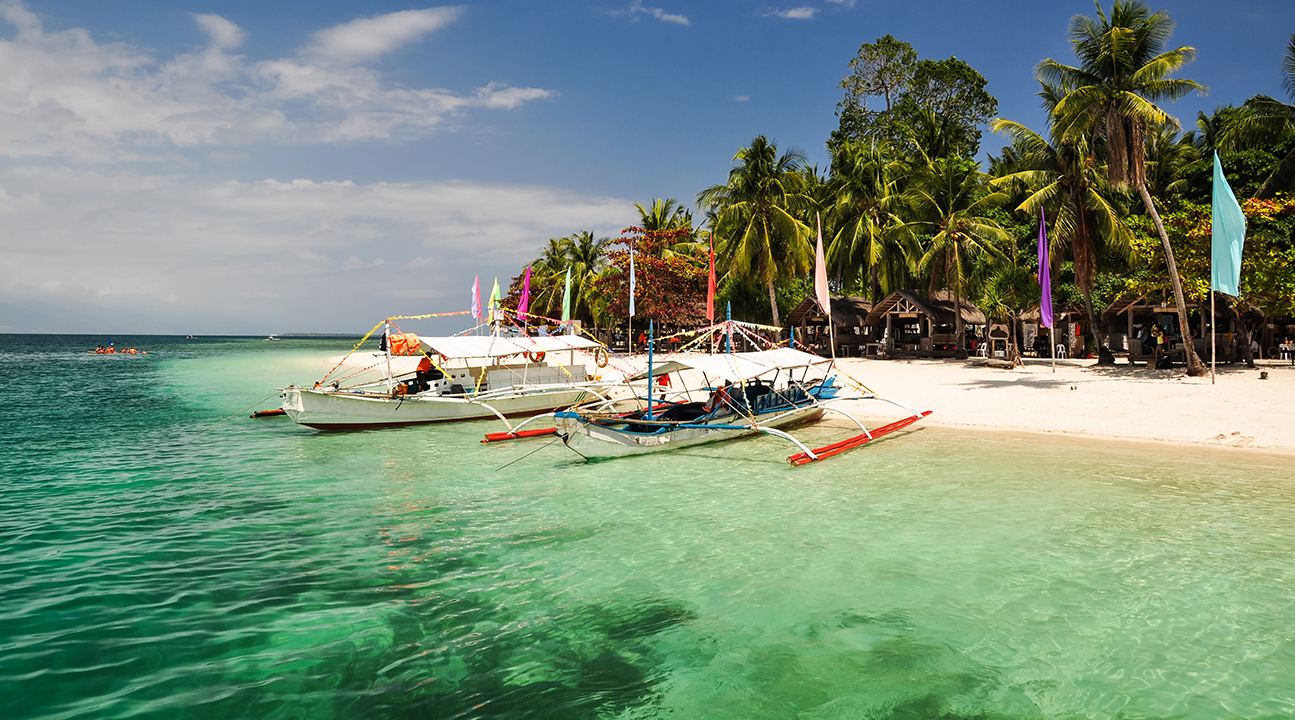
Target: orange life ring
{"x":600,"y":357}
{"x":536,"y":357}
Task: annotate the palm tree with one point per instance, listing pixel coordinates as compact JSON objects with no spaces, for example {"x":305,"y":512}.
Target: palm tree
{"x":949,"y":200}
{"x":1271,"y":119}
{"x":1065,"y":182}
{"x":665,"y":214}
{"x":1123,"y":72}
{"x":759,"y":233}
{"x":865,"y":215}
{"x":586,"y":257}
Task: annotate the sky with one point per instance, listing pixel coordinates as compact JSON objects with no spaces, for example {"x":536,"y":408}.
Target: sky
{"x":238,"y":167}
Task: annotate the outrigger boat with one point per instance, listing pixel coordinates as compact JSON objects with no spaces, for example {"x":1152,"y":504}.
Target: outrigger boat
{"x":441,"y":379}
{"x":765,"y":392}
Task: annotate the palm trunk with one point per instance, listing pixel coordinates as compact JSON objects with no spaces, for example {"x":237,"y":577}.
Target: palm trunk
{"x":1195,"y":368}
{"x":958,"y":327}
{"x":773,"y":304}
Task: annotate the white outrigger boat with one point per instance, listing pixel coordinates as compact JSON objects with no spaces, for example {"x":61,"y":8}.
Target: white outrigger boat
{"x":765,"y":392}
{"x":441,"y":379}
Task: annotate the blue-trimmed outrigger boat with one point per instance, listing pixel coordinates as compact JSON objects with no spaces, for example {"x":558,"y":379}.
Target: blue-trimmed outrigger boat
{"x":766,"y":392}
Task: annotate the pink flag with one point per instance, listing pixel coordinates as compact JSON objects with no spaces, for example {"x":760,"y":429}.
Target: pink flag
{"x":476,"y":298}
{"x":710,"y":286}
{"x":524,"y":304}
{"x":820,"y":274}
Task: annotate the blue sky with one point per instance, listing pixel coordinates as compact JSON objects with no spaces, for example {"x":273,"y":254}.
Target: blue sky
{"x":252,"y":167}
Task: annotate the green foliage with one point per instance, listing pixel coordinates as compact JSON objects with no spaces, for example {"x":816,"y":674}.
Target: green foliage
{"x":1266,"y":278}
{"x":931,"y":107}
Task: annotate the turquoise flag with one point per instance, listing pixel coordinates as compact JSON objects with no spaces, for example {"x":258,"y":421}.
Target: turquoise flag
{"x":566,"y":298}
{"x":1229,"y":236}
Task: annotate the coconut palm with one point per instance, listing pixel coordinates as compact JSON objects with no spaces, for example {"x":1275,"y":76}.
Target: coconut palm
{"x":1066,"y":183}
{"x":586,"y":257}
{"x":948,"y":202}
{"x":865,"y":216}
{"x":1268,"y":120}
{"x":665,"y":214}
{"x":1123,"y":72}
{"x":759,"y":233}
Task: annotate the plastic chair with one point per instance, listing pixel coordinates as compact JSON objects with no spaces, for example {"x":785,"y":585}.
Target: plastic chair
{"x":983,"y":351}
{"x":1061,"y":351}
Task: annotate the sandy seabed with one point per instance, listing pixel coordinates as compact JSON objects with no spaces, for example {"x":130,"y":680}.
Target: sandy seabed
{"x":1239,"y":410}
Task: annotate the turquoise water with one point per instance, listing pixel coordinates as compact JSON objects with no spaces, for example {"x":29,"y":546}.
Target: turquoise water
{"x":260,"y":570}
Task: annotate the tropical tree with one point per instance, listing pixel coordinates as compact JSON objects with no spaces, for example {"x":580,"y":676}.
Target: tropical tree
{"x":865,"y":216}
{"x":759,"y":233}
{"x":1067,"y":185}
{"x":586,"y":258}
{"x":1111,"y":95}
{"x":1271,"y":120}
{"x":949,"y":204}
{"x":664,"y":214}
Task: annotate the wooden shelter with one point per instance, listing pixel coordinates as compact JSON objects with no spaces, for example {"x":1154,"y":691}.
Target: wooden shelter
{"x":849,"y":315}
{"x":917,"y":326}
{"x":1130,"y":319}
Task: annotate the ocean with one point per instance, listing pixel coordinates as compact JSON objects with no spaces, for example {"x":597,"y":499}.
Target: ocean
{"x":161,"y":563}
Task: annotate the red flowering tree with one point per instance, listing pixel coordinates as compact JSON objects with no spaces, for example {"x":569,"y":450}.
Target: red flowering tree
{"x":670,"y":288}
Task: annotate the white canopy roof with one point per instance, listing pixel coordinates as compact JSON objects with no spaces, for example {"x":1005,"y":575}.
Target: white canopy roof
{"x":493,"y":346}
{"x":738,"y":367}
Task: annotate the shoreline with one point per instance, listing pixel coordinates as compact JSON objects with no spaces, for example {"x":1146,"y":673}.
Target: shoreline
{"x":1239,"y":412}
{"x":1163,"y":408}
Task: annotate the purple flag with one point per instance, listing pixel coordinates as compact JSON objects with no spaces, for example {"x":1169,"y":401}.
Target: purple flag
{"x":524,"y":304}
{"x":1045,"y":273}
{"x":476,"y":297}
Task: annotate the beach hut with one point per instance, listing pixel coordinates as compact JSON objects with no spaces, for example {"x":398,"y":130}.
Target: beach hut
{"x":849,"y":314}
{"x":1130,"y":319}
{"x":917,"y":326}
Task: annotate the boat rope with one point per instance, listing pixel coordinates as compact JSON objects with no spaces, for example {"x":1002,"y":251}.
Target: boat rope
{"x":530,"y":453}
{"x":240,"y":412}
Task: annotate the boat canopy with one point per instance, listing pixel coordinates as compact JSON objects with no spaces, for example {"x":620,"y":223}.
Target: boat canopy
{"x":493,"y":346}
{"x":738,"y":367}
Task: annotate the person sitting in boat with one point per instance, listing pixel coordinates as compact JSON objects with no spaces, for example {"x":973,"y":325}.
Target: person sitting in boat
{"x":718,"y":397}
{"x":425,"y":375}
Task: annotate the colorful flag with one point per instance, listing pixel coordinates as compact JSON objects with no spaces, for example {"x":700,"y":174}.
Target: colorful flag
{"x":566,"y":298}
{"x":1045,"y":273}
{"x":710,"y":285}
{"x":1229,"y":236}
{"x":631,"y":279}
{"x":493,"y":304}
{"x":476,"y":297}
{"x":524,"y":305}
{"x":820,"y":274}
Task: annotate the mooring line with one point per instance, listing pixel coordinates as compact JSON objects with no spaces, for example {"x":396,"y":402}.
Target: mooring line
{"x":240,"y":412}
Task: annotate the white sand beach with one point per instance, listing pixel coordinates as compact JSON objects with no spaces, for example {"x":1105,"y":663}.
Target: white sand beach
{"x":1239,"y":411}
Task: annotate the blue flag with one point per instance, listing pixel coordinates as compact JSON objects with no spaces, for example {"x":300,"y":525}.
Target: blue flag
{"x":1229,"y":236}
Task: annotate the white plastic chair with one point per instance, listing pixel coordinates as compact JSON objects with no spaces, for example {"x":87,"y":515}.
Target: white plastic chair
{"x":983,"y":351}
{"x":1061,"y":351}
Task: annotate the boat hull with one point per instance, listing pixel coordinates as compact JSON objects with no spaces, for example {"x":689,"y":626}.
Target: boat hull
{"x":596,"y":442}
{"x":331,"y":410}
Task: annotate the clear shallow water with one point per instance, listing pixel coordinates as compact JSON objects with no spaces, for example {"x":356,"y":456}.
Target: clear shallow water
{"x":262,"y":570}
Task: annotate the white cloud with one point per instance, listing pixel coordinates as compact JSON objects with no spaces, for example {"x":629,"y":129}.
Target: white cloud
{"x":370,"y":38}
{"x":741,"y":98}
{"x":182,"y":255}
{"x":224,"y":34}
{"x":800,"y":13}
{"x":636,"y":8}
{"x":64,"y":95}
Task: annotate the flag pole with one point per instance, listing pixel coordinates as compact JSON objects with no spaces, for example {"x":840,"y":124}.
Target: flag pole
{"x":1214,"y":339}
{"x":1052,"y":333}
